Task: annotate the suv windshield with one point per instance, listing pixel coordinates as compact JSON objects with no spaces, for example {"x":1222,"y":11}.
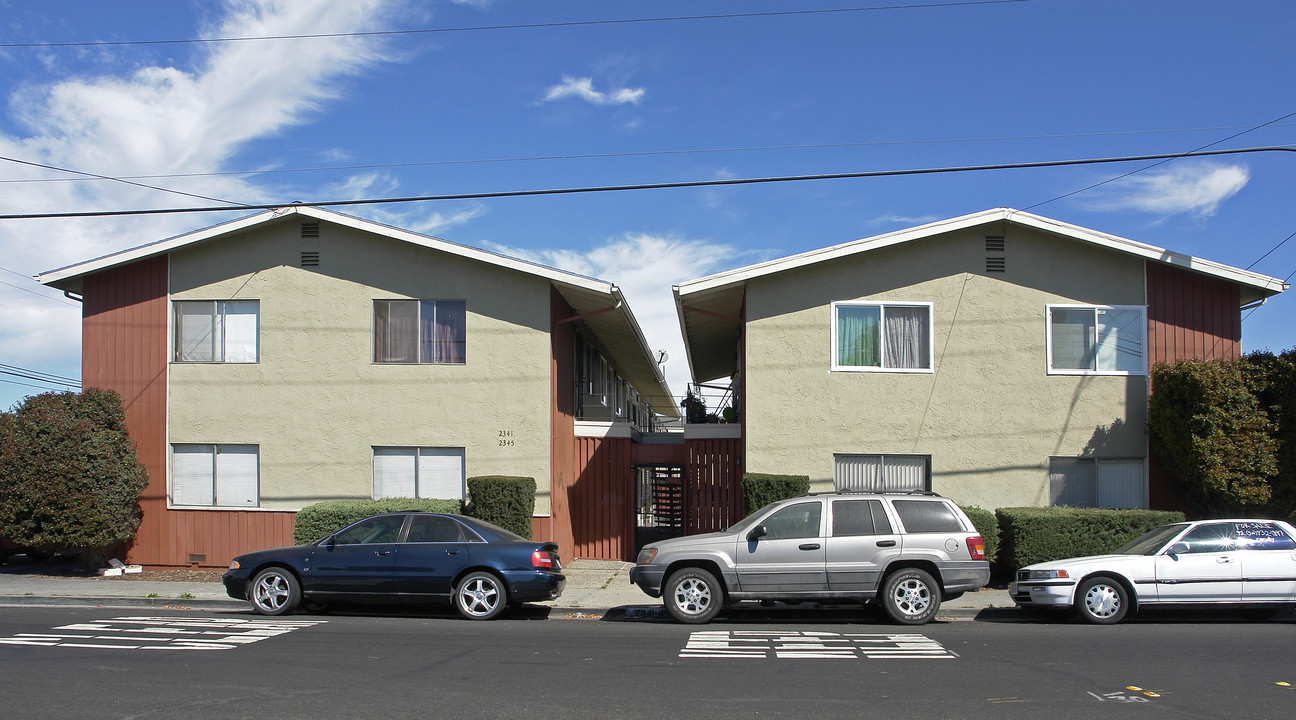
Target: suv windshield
{"x":1151,"y":541}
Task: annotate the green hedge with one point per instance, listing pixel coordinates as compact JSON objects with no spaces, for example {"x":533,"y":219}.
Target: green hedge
{"x":1039,"y":534}
{"x":321,"y":519}
{"x":988,"y":525}
{"x":761,"y":489}
{"x":505,"y":501}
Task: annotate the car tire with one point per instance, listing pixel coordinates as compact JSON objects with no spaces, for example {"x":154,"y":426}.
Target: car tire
{"x":275,"y":591}
{"x":316,"y":608}
{"x":693,"y":596}
{"x":481,"y":596}
{"x":1101,"y":600}
{"x":910,"y":596}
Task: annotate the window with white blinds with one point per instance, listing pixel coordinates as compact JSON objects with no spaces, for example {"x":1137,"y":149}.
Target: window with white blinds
{"x":221,"y":331}
{"x":1095,"y":482}
{"x":881,"y":473}
{"x":215,"y":475}
{"x":418,"y":472}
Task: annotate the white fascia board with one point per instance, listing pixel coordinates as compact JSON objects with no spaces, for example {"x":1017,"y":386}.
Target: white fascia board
{"x":679,"y":313}
{"x":164,"y":246}
{"x":624,"y":308}
{"x":1266,"y":284}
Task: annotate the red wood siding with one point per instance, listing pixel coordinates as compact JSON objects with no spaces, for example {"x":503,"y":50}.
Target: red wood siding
{"x":562,"y":424}
{"x":124,"y":348}
{"x":601,"y":500}
{"x":713,"y":492}
{"x":1191,"y":316}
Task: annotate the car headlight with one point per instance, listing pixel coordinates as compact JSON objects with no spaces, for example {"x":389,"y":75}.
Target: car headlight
{"x":646,"y":556}
{"x":234,"y":565}
{"x":1047,"y":574}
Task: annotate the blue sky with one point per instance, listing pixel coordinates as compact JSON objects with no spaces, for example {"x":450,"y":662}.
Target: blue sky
{"x":510,"y":95}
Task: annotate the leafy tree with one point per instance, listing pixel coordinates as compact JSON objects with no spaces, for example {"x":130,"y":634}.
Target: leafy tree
{"x":69,"y":478}
{"x":1207,"y":427}
{"x":1273,"y":381}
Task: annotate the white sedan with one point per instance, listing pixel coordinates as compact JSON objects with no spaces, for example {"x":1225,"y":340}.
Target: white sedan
{"x":1251,"y":563}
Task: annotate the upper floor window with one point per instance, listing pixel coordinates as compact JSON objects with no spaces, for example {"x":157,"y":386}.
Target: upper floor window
{"x":420,"y":331}
{"x":1102,"y":339}
{"x":882,"y":336}
{"x":216,"y":330}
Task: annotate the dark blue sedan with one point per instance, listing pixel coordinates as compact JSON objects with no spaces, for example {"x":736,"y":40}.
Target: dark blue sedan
{"x":478,"y":567}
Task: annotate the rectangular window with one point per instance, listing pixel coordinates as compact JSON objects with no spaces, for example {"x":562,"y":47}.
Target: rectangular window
{"x":420,"y":331}
{"x":1094,"y":482}
{"x":1106,"y":340}
{"x":215,"y":475}
{"x":882,"y":336}
{"x":408,"y":472}
{"x":217,"y":331}
{"x":882,"y":473}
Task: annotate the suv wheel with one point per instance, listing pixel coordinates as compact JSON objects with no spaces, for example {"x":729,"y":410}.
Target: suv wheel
{"x":693,"y":596}
{"x":910,"y":596}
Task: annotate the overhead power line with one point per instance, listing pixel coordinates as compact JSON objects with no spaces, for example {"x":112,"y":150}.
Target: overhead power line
{"x":654,"y":186}
{"x":520,"y":26}
{"x":603,"y":156}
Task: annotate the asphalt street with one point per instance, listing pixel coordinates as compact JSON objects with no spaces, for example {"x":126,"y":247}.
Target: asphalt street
{"x":146,"y":663}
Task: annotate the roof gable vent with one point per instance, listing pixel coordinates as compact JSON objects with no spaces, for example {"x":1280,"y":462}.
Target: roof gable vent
{"x":995,"y":260}
{"x":310,"y":230}
{"x":310,"y":258}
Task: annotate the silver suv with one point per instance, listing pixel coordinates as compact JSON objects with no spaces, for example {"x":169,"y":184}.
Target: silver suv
{"x":905,"y":551}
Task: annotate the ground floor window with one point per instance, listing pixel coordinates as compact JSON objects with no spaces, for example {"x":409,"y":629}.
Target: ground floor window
{"x":881,"y":473}
{"x":1098,"y":482}
{"x":215,"y":475}
{"x":418,"y":472}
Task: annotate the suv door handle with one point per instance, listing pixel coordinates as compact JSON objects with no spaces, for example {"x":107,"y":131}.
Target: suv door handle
{"x":886,"y":543}
{"x":808,"y":546}
{"x":381,"y":553}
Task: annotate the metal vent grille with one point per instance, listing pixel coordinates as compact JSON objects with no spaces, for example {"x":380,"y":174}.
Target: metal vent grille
{"x":310,"y":230}
{"x":310,"y":258}
{"x":995,"y":261}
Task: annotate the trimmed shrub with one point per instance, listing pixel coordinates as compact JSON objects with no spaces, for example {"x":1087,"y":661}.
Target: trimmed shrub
{"x":69,"y":477}
{"x":505,"y":501}
{"x":988,"y":525}
{"x":317,"y":521}
{"x":761,"y":489}
{"x":1031,"y":535}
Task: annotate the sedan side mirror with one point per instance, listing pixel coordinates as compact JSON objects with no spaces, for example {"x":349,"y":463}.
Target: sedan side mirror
{"x":1178,"y":548}
{"x":757,"y":533}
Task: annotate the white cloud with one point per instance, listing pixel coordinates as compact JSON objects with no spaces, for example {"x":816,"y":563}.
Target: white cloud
{"x":892,"y":219}
{"x":646,"y":267}
{"x":1197,"y":188}
{"x":153,"y":119}
{"x":583,"y":88}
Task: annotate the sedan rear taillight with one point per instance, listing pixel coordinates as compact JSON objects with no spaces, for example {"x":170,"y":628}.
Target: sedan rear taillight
{"x":976,"y":547}
{"x":545,"y":559}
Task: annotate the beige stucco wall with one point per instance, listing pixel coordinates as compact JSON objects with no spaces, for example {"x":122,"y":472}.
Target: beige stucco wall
{"x":317,"y":404}
{"x":990,"y":416}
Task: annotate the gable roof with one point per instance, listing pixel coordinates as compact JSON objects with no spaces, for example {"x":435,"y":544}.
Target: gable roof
{"x":710,"y":308}
{"x":616,"y":328}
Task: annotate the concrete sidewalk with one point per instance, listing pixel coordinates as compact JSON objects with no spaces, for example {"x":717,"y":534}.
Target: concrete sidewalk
{"x":595,"y":588}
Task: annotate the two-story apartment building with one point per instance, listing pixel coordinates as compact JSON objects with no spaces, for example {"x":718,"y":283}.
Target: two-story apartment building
{"x":302,"y":355}
{"x":1000,"y":358}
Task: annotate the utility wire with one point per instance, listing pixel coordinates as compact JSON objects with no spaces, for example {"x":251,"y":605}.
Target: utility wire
{"x":1162,"y":162}
{"x":654,"y":186}
{"x":526,"y":26}
{"x":30,"y":374}
{"x":644,"y":153}
{"x":115,"y":179}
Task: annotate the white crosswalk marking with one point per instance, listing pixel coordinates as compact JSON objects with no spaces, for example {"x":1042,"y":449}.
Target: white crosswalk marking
{"x":161,"y":633}
{"x":812,"y":645}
